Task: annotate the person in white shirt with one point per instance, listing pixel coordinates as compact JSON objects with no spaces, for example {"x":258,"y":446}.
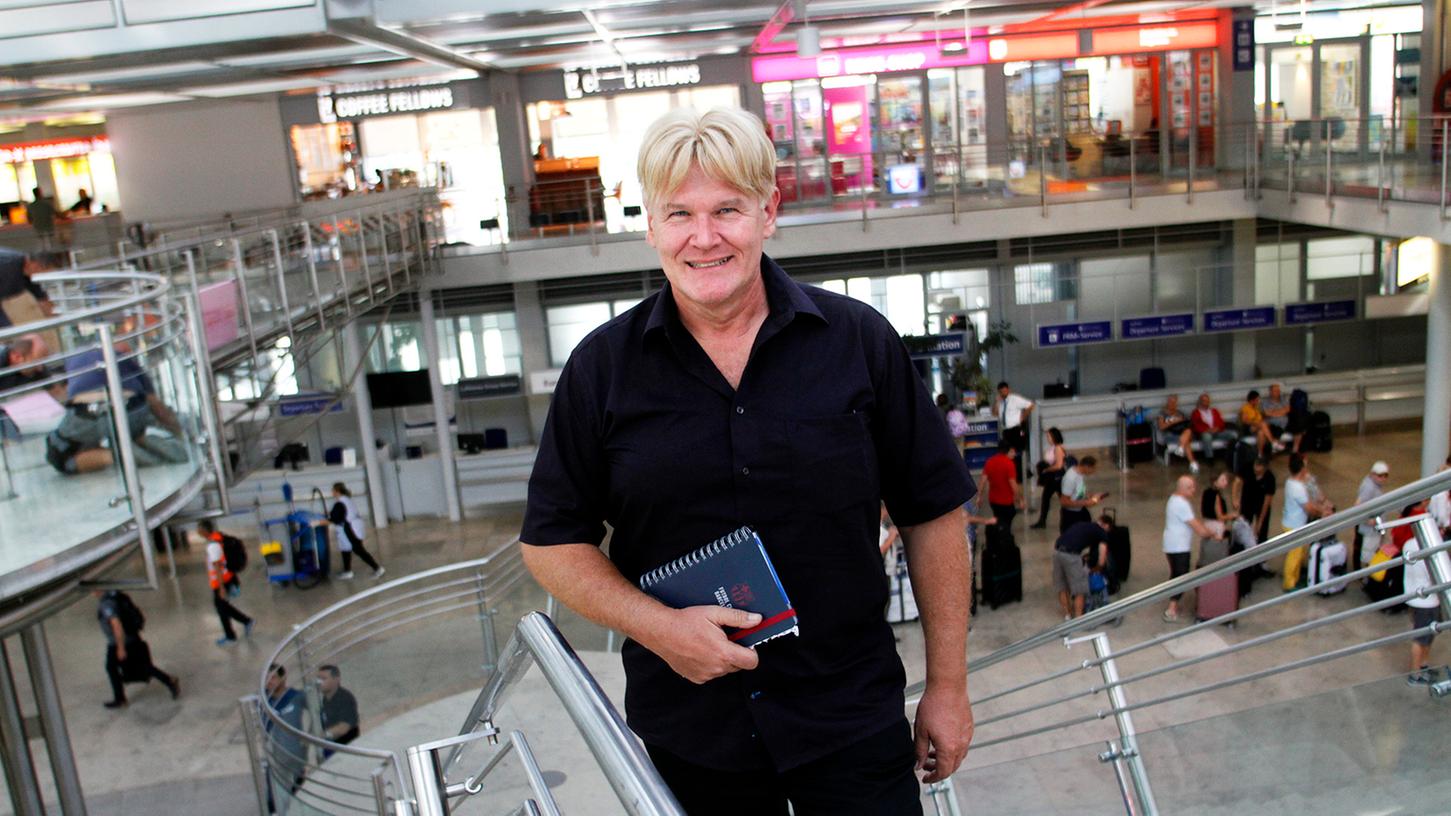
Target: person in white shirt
{"x":1366,"y":536}
{"x":1181,"y":525}
{"x":1440,"y":508}
{"x":346,"y":519}
{"x":1302,"y":503}
{"x":1013,"y":410}
{"x":1424,"y":611}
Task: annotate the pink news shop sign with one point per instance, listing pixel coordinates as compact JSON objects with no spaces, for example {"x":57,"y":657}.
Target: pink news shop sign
{"x":860,"y":61}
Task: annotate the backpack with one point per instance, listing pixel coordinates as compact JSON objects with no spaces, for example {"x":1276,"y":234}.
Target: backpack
{"x":133,"y":620}
{"x":1299,"y":402}
{"x":235,"y":552}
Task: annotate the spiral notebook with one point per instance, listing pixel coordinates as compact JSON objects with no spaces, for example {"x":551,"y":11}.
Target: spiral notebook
{"x":732,"y":571}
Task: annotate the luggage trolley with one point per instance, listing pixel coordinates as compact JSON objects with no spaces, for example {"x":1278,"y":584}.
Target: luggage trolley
{"x":295,"y":545}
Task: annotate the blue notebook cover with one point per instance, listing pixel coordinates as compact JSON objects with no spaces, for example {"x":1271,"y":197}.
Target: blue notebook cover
{"x":732,"y":571}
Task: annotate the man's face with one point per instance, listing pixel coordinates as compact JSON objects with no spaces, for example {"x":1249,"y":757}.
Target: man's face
{"x":709,"y":236}
{"x":1381,"y":478}
{"x":1003,"y":391}
{"x":274,"y":684}
{"x":1203,"y":400}
{"x":1275,"y":393}
{"x":1260,"y":469}
{"x":327,"y":683}
{"x":1172,"y":404}
{"x":1255,"y":400}
{"x":1086,"y":470}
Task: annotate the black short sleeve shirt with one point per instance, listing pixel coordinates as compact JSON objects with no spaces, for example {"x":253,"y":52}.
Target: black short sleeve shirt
{"x":829,"y":419}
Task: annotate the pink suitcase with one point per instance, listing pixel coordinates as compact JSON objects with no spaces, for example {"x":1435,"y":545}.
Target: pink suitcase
{"x":1220,"y":596}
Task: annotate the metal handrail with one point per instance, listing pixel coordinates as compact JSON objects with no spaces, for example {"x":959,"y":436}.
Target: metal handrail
{"x":1391,"y":501}
{"x":537,"y":641}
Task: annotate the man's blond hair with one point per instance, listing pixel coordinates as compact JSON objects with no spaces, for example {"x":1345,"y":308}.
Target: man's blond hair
{"x":728,"y":144}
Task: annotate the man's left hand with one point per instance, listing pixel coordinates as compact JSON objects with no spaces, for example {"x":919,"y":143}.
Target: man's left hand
{"x":943,"y":732}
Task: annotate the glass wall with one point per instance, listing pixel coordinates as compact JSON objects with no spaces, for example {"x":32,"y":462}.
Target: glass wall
{"x":470,"y":345}
{"x":570,"y":323}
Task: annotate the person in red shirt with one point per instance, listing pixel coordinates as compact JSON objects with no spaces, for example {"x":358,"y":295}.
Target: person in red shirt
{"x":1000,"y":484}
{"x":1208,"y":426}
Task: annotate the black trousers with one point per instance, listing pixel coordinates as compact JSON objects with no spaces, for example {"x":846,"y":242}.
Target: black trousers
{"x":358,"y":549}
{"x":1004,"y":513}
{"x":113,"y":673}
{"x":872,"y":777}
{"x":227,"y":613}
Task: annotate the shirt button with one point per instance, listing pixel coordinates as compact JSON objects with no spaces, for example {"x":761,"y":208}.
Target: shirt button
{"x":745,"y":471}
{"x":740,"y":410}
{"x":755,"y":695}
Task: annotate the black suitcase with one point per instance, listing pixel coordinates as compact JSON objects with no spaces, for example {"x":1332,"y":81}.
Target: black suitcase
{"x":1319,"y":433}
{"x":1120,"y":553}
{"x":1002,"y":573}
{"x":1139,"y":439}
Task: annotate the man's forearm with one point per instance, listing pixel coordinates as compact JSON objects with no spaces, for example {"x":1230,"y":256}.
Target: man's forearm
{"x":582,"y":577}
{"x":940,"y":565}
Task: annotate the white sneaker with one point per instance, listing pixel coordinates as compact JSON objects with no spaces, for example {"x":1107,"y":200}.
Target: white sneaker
{"x":1193,"y":467}
{"x":345,"y":575}
{"x":378,"y":573}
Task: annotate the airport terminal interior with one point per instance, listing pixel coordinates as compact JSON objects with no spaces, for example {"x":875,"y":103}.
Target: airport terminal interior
{"x":308,"y":274}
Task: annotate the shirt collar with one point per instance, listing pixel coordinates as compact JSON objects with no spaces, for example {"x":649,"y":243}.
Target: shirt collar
{"x":784,"y":296}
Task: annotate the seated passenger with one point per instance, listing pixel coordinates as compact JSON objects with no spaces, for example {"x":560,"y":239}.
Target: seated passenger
{"x":1209,"y":427}
{"x":83,"y":441}
{"x":1252,"y":423}
{"x":1282,"y":419}
{"x":1174,"y":425}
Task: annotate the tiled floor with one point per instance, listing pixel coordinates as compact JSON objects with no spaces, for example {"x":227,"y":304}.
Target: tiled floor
{"x":189,"y":755}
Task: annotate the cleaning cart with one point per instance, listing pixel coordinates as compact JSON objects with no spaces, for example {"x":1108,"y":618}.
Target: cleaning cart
{"x":295,"y":546}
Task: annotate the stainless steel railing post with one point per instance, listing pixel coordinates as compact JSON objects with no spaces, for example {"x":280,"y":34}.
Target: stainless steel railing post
{"x":1133,"y":175}
{"x":252,"y":732}
{"x":1193,"y":163}
{"x":1444,"y":156}
{"x":1380,"y":174}
{"x":1043,"y":178}
{"x":486,"y":622}
{"x":19,"y":764}
{"x":943,"y":796}
{"x":207,"y":399}
{"x":239,"y":265}
{"x":123,"y":451}
{"x":1291,"y":176}
{"x":1128,"y":737}
{"x":1329,"y":169}
{"x":312,"y":275}
{"x":347,"y":295}
{"x":281,"y":281}
{"x":1114,"y":757}
{"x":1428,"y":535}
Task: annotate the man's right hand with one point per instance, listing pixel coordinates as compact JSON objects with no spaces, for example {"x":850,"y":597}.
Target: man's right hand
{"x":693,"y":643}
{"x":120,"y":653}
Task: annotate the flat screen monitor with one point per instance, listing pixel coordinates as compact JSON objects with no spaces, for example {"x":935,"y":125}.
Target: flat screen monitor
{"x":397,"y":389}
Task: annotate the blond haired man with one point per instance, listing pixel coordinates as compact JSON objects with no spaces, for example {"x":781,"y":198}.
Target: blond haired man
{"x":734,"y":396}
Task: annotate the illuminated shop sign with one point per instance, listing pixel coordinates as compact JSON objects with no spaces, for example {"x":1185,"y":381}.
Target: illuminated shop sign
{"x":1047,"y":45}
{"x":579,"y":84}
{"x":384,"y":102}
{"x":53,"y":149}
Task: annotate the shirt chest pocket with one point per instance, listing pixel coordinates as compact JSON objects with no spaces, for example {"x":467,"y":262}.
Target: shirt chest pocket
{"x":834,"y":464}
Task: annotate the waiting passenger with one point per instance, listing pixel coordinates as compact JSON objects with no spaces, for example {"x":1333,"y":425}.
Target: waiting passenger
{"x":1252,"y":423}
{"x":1173,"y":424}
{"x":1282,"y":418}
{"x":1214,"y":505}
{"x":1209,"y":427}
{"x":1181,"y":525}
{"x":1367,"y":537}
{"x":83,"y":441}
{"x":1050,"y":473}
{"x":338,"y":710}
{"x":1073,"y":497}
{"x":1302,"y":504}
{"x":1425,"y":610}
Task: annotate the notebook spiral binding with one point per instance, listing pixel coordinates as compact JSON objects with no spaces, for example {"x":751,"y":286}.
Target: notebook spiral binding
{"x":690,"y":559}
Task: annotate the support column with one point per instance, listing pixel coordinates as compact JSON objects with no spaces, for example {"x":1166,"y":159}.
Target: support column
{"x":14,"y":748}
{"x":1242,"y":351}
{"x":363,"y":405}
{"x":1436,"y":420}
{"x":442,"y":432}
{"x":52,"y":721}
{"x":516,"y":159}
{"x":534,"y":341}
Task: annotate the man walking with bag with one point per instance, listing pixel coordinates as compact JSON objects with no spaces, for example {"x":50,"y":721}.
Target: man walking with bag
{"x":128,"y":658}
{"x":224,"y":583}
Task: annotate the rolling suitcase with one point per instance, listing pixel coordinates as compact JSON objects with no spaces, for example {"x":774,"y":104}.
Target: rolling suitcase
{"x":1139,"y":441}
{"x":1120,"y":553}
{"x":1002,"y":572}
{"x":1319,"y":433}
{"x":1220,"y":596}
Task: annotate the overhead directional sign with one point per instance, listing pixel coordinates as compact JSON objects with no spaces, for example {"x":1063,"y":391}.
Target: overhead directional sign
{"x":1073,"y":334}
{"x":1325,"y":311}
{"x":1148,"y":328}
{"x":936,"y":345}
{"x":1253,"y":317}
